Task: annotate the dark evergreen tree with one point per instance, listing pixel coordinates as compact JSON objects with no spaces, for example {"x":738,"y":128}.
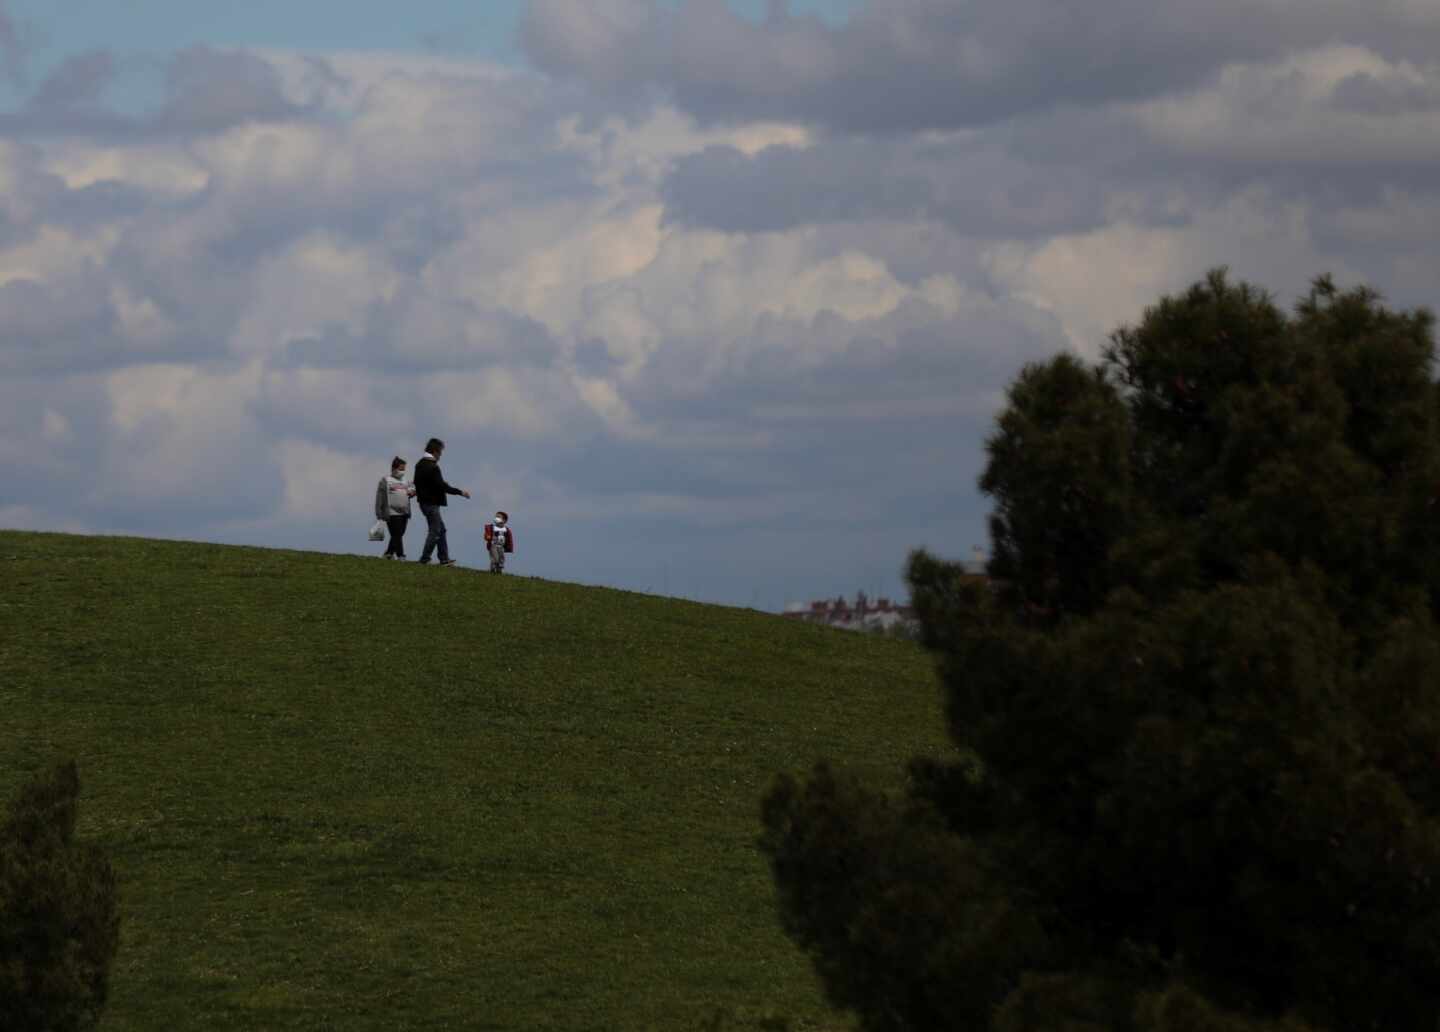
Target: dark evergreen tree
{"x":59,"y":922}
{"x":1197,"y":710}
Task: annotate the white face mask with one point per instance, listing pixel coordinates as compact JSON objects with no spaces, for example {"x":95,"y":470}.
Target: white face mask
{"x":499,"y":521}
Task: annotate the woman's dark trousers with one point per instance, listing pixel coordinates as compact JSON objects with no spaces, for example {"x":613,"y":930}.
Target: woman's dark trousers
{"x":397,"y":525}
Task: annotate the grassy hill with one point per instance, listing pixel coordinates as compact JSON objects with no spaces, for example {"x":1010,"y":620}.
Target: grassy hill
{"x":348,"y":794}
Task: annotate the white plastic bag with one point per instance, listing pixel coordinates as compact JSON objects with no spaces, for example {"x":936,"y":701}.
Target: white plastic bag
{"x":377,"y":532}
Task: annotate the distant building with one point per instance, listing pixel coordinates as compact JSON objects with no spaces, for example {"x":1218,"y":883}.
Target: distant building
{"x":879,"y":615}
{"x":861,"y":615}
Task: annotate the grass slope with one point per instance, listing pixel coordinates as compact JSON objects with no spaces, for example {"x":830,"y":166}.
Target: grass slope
{"x":342,"y":793}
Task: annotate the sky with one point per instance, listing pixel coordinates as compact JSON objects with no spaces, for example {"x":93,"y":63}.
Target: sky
{"x":716,"y":300}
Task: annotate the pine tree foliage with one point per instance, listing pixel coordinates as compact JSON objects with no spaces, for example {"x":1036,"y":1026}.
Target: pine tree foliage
{"x":59,"y":921}
{"x":1198,"y":704}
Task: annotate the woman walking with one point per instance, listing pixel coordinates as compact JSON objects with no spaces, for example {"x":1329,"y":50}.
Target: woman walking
{"x":392,"y":506}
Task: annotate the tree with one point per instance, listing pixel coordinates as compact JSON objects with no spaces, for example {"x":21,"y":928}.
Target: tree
{"x":59,"y":923}
{"x":1196,"y":710}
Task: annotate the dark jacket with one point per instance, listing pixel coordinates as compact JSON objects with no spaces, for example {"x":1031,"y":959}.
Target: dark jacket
{"x":430,"y":486}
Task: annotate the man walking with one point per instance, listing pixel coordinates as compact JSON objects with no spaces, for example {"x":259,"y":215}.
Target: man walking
{"x":430,"y":492}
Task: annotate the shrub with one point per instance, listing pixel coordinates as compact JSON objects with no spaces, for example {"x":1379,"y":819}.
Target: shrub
{"x":59,"y":922}
{"x":1198,"y":729}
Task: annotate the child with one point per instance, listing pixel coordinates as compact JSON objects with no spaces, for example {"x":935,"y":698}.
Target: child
{"x":499,"y":539}
{"x":392,"y":504}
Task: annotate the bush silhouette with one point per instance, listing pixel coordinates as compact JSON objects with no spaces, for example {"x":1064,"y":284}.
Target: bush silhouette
{"x":1197,"y":705}
{"x":59,"y":923}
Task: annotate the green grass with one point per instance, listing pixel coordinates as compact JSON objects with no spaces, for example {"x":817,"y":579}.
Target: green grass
{"x":341,"y":793}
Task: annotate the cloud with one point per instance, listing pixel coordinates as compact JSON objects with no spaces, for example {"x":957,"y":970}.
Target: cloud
{"x":1339,"y":106}
{"x":1097,"y":281}
{"x":907,"y":65}
{"x":13,"y":48}
{"x":737,"y":298}
{"x":205,"y":90}
{"x":77,"y":85}
{"x":322,"y":485}
{"x":49,"y":425}
{"x":57,"y":325}
{"x":1388,"y":91}
{"x":210,"y":89}
{"x":974,"y":186}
